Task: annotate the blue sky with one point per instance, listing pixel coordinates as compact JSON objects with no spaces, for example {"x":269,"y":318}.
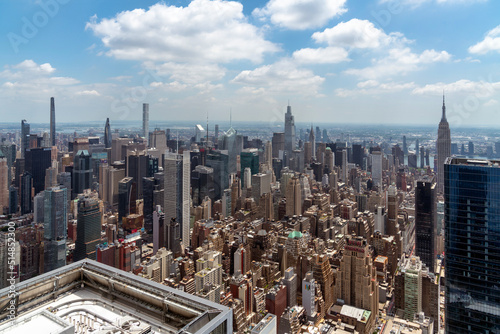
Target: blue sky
{"x":336,"y":61}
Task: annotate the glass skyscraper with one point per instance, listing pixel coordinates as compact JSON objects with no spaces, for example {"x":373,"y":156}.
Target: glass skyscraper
{"x":472,"y":247}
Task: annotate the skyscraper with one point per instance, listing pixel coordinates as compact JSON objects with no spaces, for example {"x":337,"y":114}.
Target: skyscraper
{"x":52,"y":122}
{"x":55,"y":227}
{"x":289,"y":132}
{"x":82,"y":172}
{"x":443,"y":146}
{"x":177,"y":198}
{"x":37,"y":161}
{"x":25,"y":132}
{"x":472,"y":246}
{"x":88,"y":228}
{"x":145,"y":120}
{"x":107,"y":135}
{"x":312,"y":140}
{"x":426,"y":221}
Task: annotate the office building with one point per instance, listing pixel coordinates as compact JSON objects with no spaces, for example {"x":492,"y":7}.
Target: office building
{"x":177,"y":199}
{"x":266,"y":325}
{"x":472,"y":250}
{"x":107,"y":135}
{"x":289,"y":132}
{"x":443,"y":147}
{"x":37,"y":161}
{"x":82,"y":172}
{"x":309,"y":294}
{"x":145,"y":120}
{"x":377,"y":168}
{"x":88,"y":228}
{"x":25,"y":132}
{"x":426,"y":221}
{"x":356,"y":281}
{"x":26,"y":193}
{"x":52,"y":122}
{"x":293,"y":197}
{"x":126,"y":198}
{"x":55,"y":227}
{"x":290,"y":281}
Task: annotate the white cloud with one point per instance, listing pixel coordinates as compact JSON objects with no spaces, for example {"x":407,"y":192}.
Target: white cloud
{"x":204,"y":31}
{"x":356,"y":33}
{"x":417,"y":3}
{"x":282,"y":77}
{"x":92,"y":92}
{"x":375,"y":88}
{"x":490,"y":103}
{"x":490,"y":43}
{"x":301,"y":14}
{"x":400,"y":61}
{"x":328,"y":55}
{"x":188,"y":73}
{"x":480,"y":89}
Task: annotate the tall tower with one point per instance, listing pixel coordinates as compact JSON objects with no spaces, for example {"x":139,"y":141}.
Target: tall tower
{"x":55,"y":227}
{"x":145,"y":120}
{"x":426,"y":221}
{"x":443,"y":146}
{"x":471,"y":246}
{"x":52,"y":122}
{"x":177,"y":170}
{"x":107,"y":135}
{"x":312,"y":140}
{"x":25,"y":132}
{"x":88,"y":228}
{"x":289,"y":131}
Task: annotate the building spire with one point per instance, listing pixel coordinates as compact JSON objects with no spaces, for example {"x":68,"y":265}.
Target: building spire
{"x":443,"y":117}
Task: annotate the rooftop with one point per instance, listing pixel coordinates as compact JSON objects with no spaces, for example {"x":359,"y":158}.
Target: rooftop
{"x":100,"y":298}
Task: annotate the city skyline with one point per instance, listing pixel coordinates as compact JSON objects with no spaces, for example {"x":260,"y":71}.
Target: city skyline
{"x":342,"y":62}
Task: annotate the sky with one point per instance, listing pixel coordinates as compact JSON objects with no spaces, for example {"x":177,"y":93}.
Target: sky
{"x":333,"y":61}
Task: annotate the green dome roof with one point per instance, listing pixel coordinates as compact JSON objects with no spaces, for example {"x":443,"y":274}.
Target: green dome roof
{"x":295,"y":234}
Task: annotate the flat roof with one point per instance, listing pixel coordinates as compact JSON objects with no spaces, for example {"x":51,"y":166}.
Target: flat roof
{"x":100,"y":295}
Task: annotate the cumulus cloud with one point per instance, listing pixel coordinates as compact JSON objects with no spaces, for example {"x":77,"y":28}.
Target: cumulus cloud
{"x":301,"y":14}
{"x":480,"y":89}
{"x":204,"y":31}
{"x":417,"y":3}
{"x":188,"y":73}
{"x":356,"y":33}
{"x":400,"y":61}
{"x":282,"y":77}
{"x":373,"y":87}
{"x":491,"y":42}
{"x":328,"y":55}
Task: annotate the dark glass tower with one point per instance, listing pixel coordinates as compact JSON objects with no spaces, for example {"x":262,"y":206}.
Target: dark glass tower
{"x":426,"y":221}
{"x":37,"y":161}
{"x":82,"y":172}
{"x":107,"y":135}
{"x":52,"y":122}
{"x":25,"y":141}
{"x":472,"y":246}
{"x":55,"y":226}
{"x":88,"y":229}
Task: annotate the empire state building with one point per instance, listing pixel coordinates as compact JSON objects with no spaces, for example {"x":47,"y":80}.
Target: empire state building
{"x":443,"y":146}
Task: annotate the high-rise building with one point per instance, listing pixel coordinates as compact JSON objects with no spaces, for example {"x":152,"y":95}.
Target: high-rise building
{"x":472,"y":249}
{"x":356,"y":278}
{"x":55,"y":227}
{"x":37,"y":161}
{"x":290,"y":281}
{"x":417,"y":290}
{"x":426,"y":221}
{"x":107,"y":135}
{"x":25,"y":132}
{"x":52,"y":122}
{"x":312,"y":140}
{"x":293,"y":197}
{"x":4,"y":184}
{"x":126,"y":197}
{"x":443,"y":147}
{"x":278,"y":144}
{"x":177,"y":198}
{"x":289,"y":132}
{"x":88,"y":228}
{"x":26,"y":193}
{"x":145,"y":120}
{"x":309,"y":294}
{"x":82,"y":172}
{"x":377,"y":168}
